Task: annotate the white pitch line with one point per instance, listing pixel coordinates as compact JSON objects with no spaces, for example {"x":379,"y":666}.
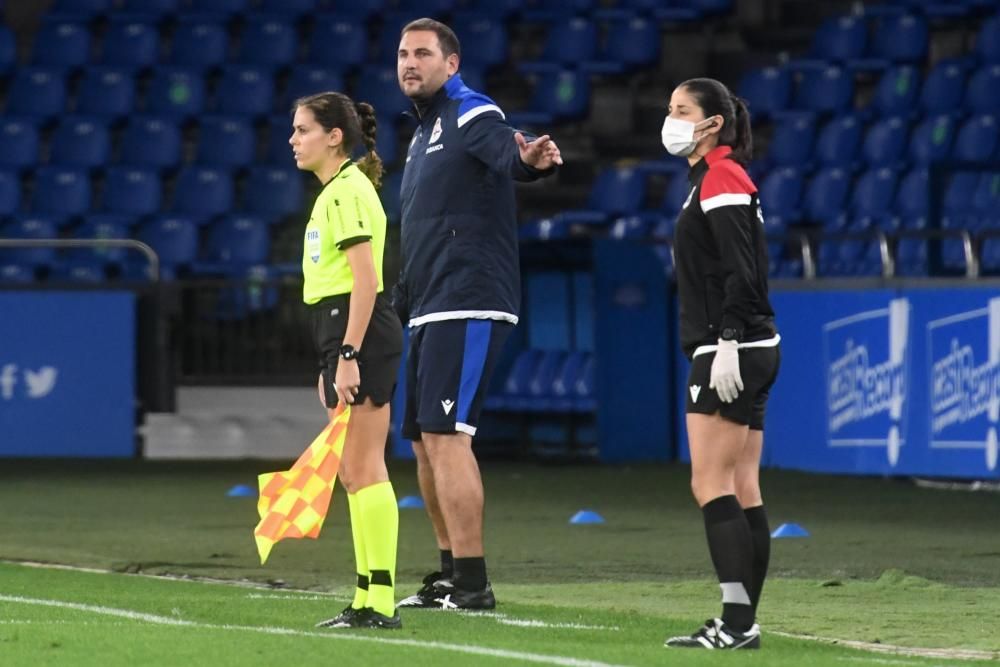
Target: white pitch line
{"x":947,"y":653}
{"x":563,"y":661}
{"x":505,"y":619}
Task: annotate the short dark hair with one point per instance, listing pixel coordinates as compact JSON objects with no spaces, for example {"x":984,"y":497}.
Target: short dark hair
{"x":716,"y":99}
{"x":446,"y":36}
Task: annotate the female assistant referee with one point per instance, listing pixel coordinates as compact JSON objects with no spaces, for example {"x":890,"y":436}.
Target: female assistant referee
{"x":727,"y":332}
{"x":357,"y":333}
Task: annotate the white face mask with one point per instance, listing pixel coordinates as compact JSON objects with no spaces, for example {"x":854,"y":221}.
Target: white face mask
{"x":678,"y":135}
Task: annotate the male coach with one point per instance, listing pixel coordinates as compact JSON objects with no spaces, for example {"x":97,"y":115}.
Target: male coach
{"x":459,"y":290}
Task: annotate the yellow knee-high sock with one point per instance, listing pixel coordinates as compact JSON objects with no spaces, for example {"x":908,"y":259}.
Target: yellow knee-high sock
{"x":360,"y":554}
{"x":381,"y":528}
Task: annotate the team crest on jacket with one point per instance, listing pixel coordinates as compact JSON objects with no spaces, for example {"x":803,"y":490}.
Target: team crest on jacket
{"x":436,"y":132}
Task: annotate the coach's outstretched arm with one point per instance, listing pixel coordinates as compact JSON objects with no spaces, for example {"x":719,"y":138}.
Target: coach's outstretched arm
{"x":504,"y":150}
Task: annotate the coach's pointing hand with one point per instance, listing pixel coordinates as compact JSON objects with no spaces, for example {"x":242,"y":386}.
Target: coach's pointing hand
{"x":725,"y":378}
{"x":542,"y":153}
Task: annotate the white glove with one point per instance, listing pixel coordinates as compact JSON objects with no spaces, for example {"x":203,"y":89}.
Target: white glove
{"x":725,"y":378}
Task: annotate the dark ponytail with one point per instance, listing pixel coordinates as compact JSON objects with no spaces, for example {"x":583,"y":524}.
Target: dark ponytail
{"x":371,"y":163}
{"x":716,"y":100}
{"x":356,"y":121}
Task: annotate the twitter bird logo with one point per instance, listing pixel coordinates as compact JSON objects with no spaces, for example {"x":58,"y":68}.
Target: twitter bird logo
{"x":41,"y":382}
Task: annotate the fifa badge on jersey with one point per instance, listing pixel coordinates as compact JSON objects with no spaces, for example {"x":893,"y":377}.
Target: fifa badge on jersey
{"x":313,"y":244}
{"x":436,"y":132}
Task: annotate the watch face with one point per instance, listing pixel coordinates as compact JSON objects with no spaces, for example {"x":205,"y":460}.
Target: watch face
{"x":728,"y":334}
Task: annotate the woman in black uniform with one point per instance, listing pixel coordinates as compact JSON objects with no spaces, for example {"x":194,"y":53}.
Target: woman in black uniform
{"x":727,"y":332}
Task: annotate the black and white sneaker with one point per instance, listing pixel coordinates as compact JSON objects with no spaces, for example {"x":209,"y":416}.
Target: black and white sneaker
{"x":717,"y":635}
{"x":345,"y":619}
{"x":434,"y":586}
{"x":363,"y":618}
{"x":456,"y":598}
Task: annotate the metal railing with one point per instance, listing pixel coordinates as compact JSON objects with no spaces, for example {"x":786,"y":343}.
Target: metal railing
{"x":153,"y":268}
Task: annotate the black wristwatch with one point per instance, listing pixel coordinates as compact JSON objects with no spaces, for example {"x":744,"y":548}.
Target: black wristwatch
{"x":730,"y":333}
{"x":347,"y":352}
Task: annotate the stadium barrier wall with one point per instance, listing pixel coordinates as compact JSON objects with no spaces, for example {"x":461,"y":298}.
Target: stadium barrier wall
{"x":67,"y":374}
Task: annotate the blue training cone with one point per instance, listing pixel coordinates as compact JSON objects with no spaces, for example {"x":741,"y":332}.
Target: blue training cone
{"x":242,"y":491}
{"x":411,"y":502}
{"x":790,"y":530}
{"x":586,"y":516}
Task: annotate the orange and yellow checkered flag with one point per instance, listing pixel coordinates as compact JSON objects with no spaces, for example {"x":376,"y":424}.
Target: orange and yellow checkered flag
{"x":293,"y":503}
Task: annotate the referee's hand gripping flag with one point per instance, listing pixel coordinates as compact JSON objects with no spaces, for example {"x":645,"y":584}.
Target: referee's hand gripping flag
{"x":725,"y":378}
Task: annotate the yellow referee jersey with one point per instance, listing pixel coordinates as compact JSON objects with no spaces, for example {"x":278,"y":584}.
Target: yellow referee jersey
{"x":347,"y":211}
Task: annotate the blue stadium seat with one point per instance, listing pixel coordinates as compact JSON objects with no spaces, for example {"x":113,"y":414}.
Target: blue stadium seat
{"x":293,"y":8}
{"x":386,"y":140}
{"x":780,"y":193}
{"x":268,"y":40}
{"x":986,"y":200}
{"x":198,"y":42}
{"x":61,"y":193}
{"x":78,"y":270}
{"x":766,"y":90}
{"x":988,"y":41}
{"x":273,"y":192}
{"x":387,"y":38}
{"x":130,"y":41}
{"x":488,"y":34}
{"x":8,"y":50}
{"x":224,"y":9}
{"x":244,"y":90}
{"x":633,"y":226}
{"x":826,"y":195}
{"x":824,"y":90}
{"x":885,"y":143}
{"x":37,"y":92}
{"x":29,"y":227}
{"x":234,"y":243}
{"x":61,"y":43}
{"x":379,"y":87}
{"x":897,"y":92}
{"x":839,"y":39}
{"x":569,"y":41}
{"x":943,"y":88}
{"x":563,"y":95}
{"x":338,"y":41}
{"x":911,"y":198}
{"x":16,"y":274}
{"x":106,"y":91}
{"x":18,"y":143}
{"x":911,"y":257}
{"x":959,"y":195}
{"x":158,"y":9}
{"x":990,"y":255}
{"x":515,"y":386}
{"x":80,"y":141}
{"x":225,"y":141}
{"x":564,"y":383}
{"x":544,"y":229}
{"x":82,"y":10}
{"x":584,"y":399}
{"x":201,"y":193}
{"x":279,"y":151}
{"x":151,"y":141}
{"x":104,"y":226}
{"x":176,"y":92}
{"x":839,"y":141}
{"x":983,"y":92}
{"x":793,"y":138}
{"x":131,"y":191}
{"x":978,"y":139}
{"x":175,"y":240}
{"x":633,"y":41}
{"x":932,"y":138}
{"x":10,"y":192}
{"x":618,"y":191}
{"x":389,"y":194}
{"x":308,"y":80}
{"x":902,"y":38}
{"x":676,"y":194}
{"x":501,"y":9}
{"x":539,"y":389}
{"x":873,"y":193}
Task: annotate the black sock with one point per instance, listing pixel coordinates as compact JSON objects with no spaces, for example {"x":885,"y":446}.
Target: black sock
{"x":470,"y":573}
{"x":447,"y":564}
{"x":731,"y":547}
{"x":760,"y":533}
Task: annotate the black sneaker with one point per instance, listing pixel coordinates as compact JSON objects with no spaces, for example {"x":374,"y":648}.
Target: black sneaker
{"x":456,"y":598}
{"x":426,"y":597}
{"x":345,"y":619}
{"x":373,"y":619}
{"x":717,"y":635}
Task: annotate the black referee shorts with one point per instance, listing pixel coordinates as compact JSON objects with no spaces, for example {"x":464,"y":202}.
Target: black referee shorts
{"x":758,"y":369}
{"x":381,"y":350}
